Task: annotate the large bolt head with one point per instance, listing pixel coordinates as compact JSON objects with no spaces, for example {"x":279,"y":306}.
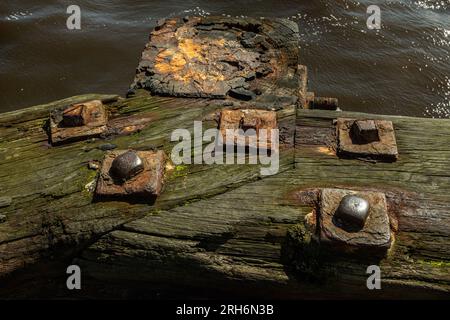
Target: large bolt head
{"x":126,"y":166}
{"x":73,"y":116}
{"x":365,"y":131}
{"x":353,"y":210}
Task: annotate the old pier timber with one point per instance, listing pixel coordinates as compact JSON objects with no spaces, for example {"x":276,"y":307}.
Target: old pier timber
{"x":88,"y":181}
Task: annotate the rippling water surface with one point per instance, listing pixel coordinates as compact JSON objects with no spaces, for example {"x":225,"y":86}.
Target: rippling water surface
{"x":404,"y":68}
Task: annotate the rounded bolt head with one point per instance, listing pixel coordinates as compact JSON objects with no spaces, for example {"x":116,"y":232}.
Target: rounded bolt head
{"x":353,"y":210}
{"x":126,"y":166}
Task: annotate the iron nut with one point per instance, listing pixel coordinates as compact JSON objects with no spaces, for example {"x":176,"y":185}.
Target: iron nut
{"x":73,"y":116}
{"x":353,"y":210}
{"x":365,"y":131}
{"x":245,"y":119}
{"x":250,"y":123}
{"x":370,"y":139}
{"x":78,"y":121}
{"x":126,"y":166}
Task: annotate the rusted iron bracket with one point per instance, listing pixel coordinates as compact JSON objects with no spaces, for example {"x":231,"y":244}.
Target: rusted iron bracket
{"x":131,"y":173}
{"x":373,"y":139}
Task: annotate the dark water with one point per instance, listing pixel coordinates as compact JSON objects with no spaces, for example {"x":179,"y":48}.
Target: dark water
{"x":404,"y":68}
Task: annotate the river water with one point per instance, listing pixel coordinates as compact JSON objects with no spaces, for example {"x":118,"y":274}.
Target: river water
{"x":403,"y":69}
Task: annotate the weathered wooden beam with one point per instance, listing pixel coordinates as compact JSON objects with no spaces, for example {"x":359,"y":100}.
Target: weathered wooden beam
{"x":48,"y":187}
{"x":223,"y":229}
{"x":220,"y":225}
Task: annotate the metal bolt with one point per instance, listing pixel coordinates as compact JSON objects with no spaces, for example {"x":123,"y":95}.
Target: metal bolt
{"x":365,"y":131}
{"x":73,"y":116}
{"x":126,"y":166}
{"x":247,"y":123}
{"x":323,"y":103}
{"x":353,"y":210}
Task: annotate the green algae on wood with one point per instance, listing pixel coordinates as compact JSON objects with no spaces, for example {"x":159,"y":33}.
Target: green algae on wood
{"x":223,"y":225}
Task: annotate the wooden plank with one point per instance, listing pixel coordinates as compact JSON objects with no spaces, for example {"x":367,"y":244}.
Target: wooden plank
{"x":50,"y":204}
{"x":222,"y":226}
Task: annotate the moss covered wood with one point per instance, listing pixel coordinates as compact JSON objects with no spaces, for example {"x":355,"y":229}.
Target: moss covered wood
{"x":219,"y":226}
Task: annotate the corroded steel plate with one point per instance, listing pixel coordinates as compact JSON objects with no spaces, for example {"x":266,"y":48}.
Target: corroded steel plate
{"x":149,"y":182}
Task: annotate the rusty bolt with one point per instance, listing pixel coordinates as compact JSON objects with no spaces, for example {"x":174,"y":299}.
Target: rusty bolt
{"x":126,"y":166}
{"x":323,"y":103}
{"x":365,"y":131}
{"x":353,"y":210}
{"x":247,"y":123}
{"x":73,"y":116}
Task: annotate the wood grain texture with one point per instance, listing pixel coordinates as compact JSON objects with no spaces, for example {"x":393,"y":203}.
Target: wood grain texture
{"x":220,"y":228}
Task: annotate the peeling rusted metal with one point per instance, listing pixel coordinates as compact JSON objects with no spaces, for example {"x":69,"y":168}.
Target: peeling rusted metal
{"x":320,"y":103}
{"x":248,"y":119}
{"x":78,"y":121}
{"x":325,"y":103}
{"x":90,"y":119}
{"x":371,"y":139}
{"x":227,"y":58}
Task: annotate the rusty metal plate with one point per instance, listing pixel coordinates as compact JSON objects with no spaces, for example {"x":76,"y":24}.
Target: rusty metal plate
{"x":147,"y":183}
{"x":366,"y":144}
{"x":246,"y":119}
{"x":218,"y":57}
{"x":375,"y":234}
{"x":78,"y":121}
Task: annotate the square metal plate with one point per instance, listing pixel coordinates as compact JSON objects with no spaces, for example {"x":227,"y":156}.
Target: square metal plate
{"x":385,"y":149}
{"x":92,"y":118}
{"x":376,"y":232}
{"x":246,"y":119}
{"x":147,"y":183}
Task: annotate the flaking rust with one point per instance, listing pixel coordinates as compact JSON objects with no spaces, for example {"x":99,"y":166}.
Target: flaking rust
{"x":132,"y":173}
{"x":245,"y":60}
{"x":247,"y":120}
{"x":90,"y":119}
{"x":373,"y":139}
{"x":78,"y":121}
